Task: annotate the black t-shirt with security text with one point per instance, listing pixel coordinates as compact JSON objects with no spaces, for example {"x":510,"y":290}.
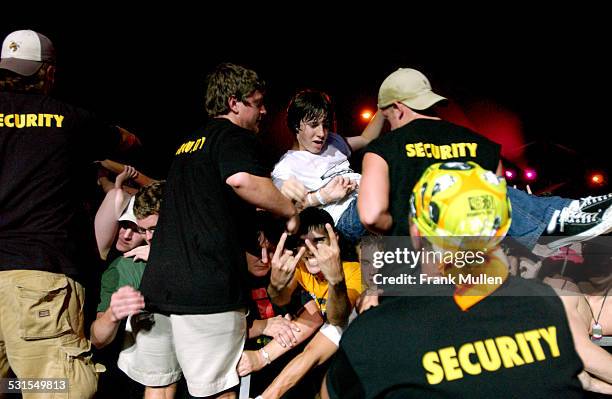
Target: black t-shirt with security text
{"x":514,"y":344}
{"x":197,"y":263}
{"x":410,"y":149}
{"x":45,"y":147}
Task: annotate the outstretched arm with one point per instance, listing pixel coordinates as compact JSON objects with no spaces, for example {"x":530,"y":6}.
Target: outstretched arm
{"x":318,"y":350}
{"x":261,"y":192}
{"x":105,"y":223}
{"x":373,"y":198}
{"x":124,"y":302}
{"x":371,"y":132}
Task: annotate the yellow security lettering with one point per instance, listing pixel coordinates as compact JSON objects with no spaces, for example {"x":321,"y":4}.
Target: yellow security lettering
{"x":426,"y":147}
{"x":191,"y":146}
{"x":431,"y":363}
{"x":474,"y":358}
{"x":508,"y":350}
{"x":435,"y":151}
{"x":20,"y":121}
{"x":197,"y":144}
{"x":464,"y":359}
{"x":419,"y":150}
{"x":410,"y":150}
{"x":8,"y":121}
{"x":455,"y":150}
{"x":48,"y":118}
{"x":462,"y":152}
{"x":524,"y":348}
{"x":31,"y":120}
{"x":489,"y":357}
{"x":58,"y":120}
{"x":472,"y":147}
{"x":445,"y":152}
{"x":533,"y":337}
{"x":550,"y":336}
{"x":448,"y":358}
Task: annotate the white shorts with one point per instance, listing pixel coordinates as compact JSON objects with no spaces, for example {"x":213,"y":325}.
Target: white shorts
{"x":204,"y":348}
{"x":334,"y":333}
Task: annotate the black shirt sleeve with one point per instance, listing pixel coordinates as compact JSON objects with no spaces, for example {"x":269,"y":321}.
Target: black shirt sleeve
{"x":342,"y":380}
{"x":238,"y":152}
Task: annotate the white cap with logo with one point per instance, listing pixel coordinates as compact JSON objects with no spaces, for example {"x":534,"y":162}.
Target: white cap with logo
{"x":25,"y":51}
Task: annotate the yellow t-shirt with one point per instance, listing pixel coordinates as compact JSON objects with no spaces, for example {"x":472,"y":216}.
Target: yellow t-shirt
{"x":318,"y":288}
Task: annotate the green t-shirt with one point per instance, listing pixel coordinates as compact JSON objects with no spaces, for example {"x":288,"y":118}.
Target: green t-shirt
{"x":121,"y":272}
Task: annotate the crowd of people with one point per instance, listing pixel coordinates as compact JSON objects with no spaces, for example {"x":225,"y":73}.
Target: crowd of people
{"x":230,"y":278}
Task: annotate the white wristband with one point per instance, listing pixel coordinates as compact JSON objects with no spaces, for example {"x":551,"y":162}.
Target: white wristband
{"x":309,"y":199}
{"x":320,"y":197}
{"x":265,"y":355}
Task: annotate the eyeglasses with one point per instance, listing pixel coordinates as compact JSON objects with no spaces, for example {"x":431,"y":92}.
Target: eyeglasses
{"x":143,"y":231}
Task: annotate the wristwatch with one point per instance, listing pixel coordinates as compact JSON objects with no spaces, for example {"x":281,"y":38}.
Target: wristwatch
{"x":265,"y":355}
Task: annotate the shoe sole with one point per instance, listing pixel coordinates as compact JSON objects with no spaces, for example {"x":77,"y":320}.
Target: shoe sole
{"x":602,"y":228}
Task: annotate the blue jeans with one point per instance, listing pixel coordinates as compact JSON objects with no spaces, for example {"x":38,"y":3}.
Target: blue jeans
{"x":349,"y":224}
{"x":531,"y":215}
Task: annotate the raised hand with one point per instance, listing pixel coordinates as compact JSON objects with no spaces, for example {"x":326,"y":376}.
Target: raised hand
{"x":129,"y":172}
{"x":283,"y":264}
{"x":327,"y":256}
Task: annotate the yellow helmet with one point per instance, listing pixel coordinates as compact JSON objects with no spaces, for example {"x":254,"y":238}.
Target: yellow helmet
{"x":461,"y":199}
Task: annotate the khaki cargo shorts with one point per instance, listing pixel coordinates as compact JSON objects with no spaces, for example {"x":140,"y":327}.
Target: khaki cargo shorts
{"x":42,"y":331}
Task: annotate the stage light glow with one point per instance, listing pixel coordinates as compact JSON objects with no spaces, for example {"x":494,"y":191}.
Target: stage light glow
{"x":366,"y":115}
{"x":530,"y":174}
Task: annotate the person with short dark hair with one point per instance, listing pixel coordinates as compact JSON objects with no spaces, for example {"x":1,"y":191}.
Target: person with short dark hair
{"x":316,"y":171}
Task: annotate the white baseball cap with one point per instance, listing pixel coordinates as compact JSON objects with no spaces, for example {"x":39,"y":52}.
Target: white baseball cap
{"x":24,"y":52}
{"x":128,"y":213}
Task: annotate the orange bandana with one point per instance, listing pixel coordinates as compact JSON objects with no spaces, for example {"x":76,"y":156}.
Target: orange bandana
{"x":476,"y":282}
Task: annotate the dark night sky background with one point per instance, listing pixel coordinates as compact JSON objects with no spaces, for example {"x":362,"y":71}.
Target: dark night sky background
{"x":549,"y":82}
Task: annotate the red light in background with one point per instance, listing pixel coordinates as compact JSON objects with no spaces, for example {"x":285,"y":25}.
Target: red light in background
{"x":530,"y":174}
{"x":366,"y":115}
{"x":510,"y":174}
{"x":597,"y":179}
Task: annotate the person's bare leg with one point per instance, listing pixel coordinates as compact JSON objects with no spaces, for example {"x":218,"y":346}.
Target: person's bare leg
{"x":166,"y":392}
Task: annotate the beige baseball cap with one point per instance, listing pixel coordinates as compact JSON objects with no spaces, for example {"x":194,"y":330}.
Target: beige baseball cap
{"x":408,"y":86}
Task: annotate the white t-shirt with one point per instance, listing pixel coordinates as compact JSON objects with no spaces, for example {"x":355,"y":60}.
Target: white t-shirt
{"x":316,"y":170}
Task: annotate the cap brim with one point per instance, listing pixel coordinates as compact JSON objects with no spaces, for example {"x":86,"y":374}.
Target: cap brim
{"x":22,"y":67}
{"x":423,"y":101}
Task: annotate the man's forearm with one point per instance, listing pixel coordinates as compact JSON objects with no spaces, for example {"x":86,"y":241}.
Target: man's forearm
{"x":318,"y":350}
{"x":103,"y":329}
{"x":338,"y":304}
{"x":279,"y":297}
{"x":261,"y":192}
